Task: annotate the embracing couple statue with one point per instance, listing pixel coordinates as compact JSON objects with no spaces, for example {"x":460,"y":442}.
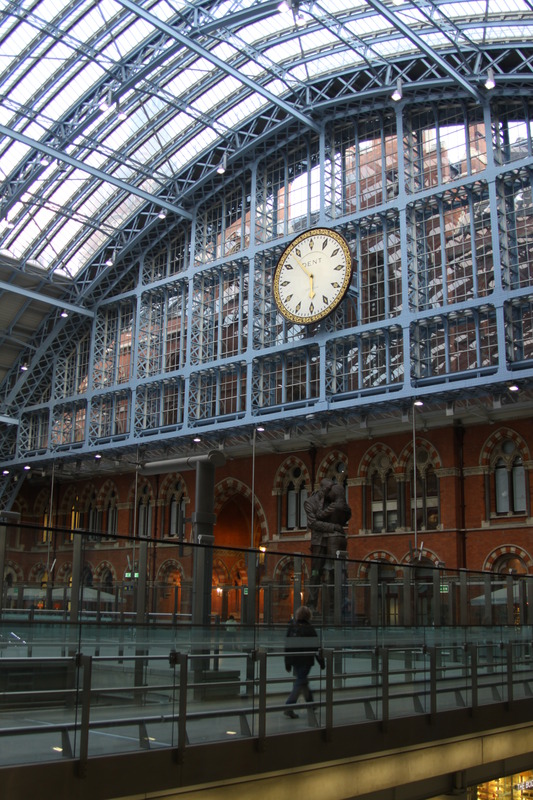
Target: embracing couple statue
{"x":327,"y":515}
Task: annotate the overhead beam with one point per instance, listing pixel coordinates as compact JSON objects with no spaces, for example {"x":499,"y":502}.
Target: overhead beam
{"x":191,"y":45}
{"x":417,"y":40}
{"x":96,"y":173}
{"x":8,"y":420}
{"x":42,"y":298}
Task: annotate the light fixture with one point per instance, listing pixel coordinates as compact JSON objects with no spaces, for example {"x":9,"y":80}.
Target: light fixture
{"x":5,"y":472}
{"x":223,"y":164}
{"x":490,"y":83}
{"x":23,"y":367}
{"x":418,"y":403}
{"x":27,"y":467}
{"x":162,"y":214}
{"x":397,"y":93}
{"x":260,"y":429}
{"x":98,"y":456}
{"x":197,"y":439}
{"x":64,"y":314}
{"x":121,"y":115}
{"x":514,"y":388}
{"x":109,"y":261}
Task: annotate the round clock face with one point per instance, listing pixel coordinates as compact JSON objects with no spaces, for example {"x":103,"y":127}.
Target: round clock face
{"x":312,"y":275}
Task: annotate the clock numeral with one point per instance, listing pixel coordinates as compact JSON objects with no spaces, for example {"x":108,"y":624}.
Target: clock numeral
{"x":311,"y":308}
{"x":288,"y":266}
{"x":335,"y":252}
{"x":285,"y":283}
{"x":324,"y":244}
{"x":335,"y":284}
{"x":325,"y":299}
{"x":298,"y":307}
{"x":341,"y":266}
{"x":298,"y":252}
{"x":288,"y":298}
{"x":311,"y":243}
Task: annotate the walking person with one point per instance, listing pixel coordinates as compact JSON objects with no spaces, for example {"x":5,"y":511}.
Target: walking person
{"x":301,"y":649}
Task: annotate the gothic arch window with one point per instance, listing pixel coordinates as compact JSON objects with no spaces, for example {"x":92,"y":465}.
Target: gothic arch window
{"x":144,"y":513}
{"x":295,"y":496}
{"x":112,"y":515}
{"x":426,"y":498}
{"x":384,"y":495}
{"x":509,"y":493}
{"x":175,"y":513}
{"x":510,"y":564}
{"x":94,"y":518}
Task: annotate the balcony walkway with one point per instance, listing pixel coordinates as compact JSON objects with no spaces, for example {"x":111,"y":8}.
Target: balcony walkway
{"x":108,"y":713}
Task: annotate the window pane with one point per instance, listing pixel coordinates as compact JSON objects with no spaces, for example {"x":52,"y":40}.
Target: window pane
{"x":519,"y":488}
{"x":291,"y":508}
{"x":502,"y":489}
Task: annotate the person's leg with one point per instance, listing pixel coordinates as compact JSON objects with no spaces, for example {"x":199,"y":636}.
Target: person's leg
{"x":300,"y":681}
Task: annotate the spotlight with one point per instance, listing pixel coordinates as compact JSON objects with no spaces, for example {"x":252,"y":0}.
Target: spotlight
{"x":490,"y":83}
{"x":223,"y":164}
{"x":514,"y":388}
{"x":397,"y":93}
{"x":197,"y":439}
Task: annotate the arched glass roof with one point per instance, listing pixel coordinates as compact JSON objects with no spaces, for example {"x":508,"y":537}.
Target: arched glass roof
{"x":113,"y":108}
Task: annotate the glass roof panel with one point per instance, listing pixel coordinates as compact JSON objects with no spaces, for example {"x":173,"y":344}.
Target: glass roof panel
{"x":53,"y":90}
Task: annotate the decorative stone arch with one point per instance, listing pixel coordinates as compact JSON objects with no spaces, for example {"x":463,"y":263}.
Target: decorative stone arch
{"x":372,"y":456}
{"x":13,"y":568}
{"x":504,"y":550}
{"x":239,"y":571}
{"x":105,"y":494}
{"x":493,"y":444}
{"x":86,"y":495}
{"x":70,"y":498}
{"x":64,"y":572}
{"x":228,"y":488}
{"x":426,"y":455}
{"x":282,"y":569}
{"x":36,"y":572}
{"x":382,"y":557}
{"x":220,"y":572}
{"x":101,"y":569}
{"x":168,"y":566}
{"x":142,"y":483}
{"x":329,"y":466}
{"x":283,"y":471}
{"x":168,"y":487}
{"x":425,"y":553}
{"x":42,"y":502}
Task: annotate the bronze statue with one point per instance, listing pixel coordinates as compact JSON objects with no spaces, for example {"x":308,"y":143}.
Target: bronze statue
{"x":327,"y":514}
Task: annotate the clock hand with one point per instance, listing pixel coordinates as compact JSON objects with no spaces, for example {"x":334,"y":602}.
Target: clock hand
{"x":311,"y":292}
{"x":309,"y":274}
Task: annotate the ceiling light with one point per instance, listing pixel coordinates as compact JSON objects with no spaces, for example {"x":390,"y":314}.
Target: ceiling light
{"x":490,"y":83}
{"x":397,"y":93}
{"x":109,"y":262}
{"x":5,"y":472}
{"x":514,"y":388}
{"x":223,"y":164}
{"x":64,"y":314}
{"x":23,"y":367}
{"x":98,"y":456}
{"x":418,"y":403}
{"x":27,"y":467}
{"x":197,"y":439}
{"x":162,"y":214}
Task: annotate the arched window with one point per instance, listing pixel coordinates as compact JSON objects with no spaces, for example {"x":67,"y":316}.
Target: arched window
{"x":384,"y":500}
{"x":112,"y":516}
{"x":144,"y":514}
{"x":296,"y":495}
{"x":384,"y":506}
{"x":176,"y":512}
{"x":509,"y":485}
{"x":427,"y":493}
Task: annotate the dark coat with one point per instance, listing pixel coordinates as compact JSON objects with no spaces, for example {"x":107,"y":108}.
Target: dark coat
{"x":302,"y":645}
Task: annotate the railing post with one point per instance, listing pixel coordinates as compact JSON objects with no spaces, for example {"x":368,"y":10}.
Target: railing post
{"x":85,"y":663}
{"x":432,"y":652}
{"x":261,"y":728}
{"x":383,"y":653}
{"x":328,"y":657}
{"x":183,"y":662}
